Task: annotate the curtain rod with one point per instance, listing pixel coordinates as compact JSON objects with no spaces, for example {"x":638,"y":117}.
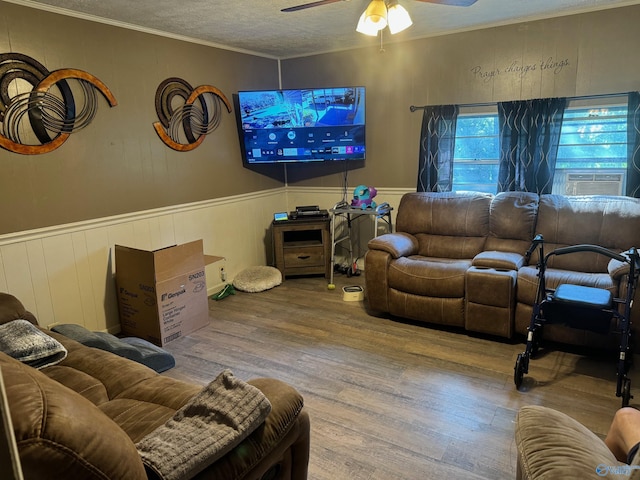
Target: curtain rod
{"x":413,"y":108}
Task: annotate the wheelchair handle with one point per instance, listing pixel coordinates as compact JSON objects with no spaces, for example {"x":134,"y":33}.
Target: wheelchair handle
{"x":589,"y":248}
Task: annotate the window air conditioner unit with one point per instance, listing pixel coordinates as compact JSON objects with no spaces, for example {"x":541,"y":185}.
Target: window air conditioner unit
{"x":594,"y":184}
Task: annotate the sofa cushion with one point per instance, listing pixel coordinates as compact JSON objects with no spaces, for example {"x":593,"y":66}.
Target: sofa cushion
{"x":607,"y":221}
{"x":134,"y":396}
{"x":431,"y":277}
{"x":512,"y":221}
{"x":499,"y":259}
{"x":446,"y":224}
{"x":60,"y":434}
{"x":528,"y":281}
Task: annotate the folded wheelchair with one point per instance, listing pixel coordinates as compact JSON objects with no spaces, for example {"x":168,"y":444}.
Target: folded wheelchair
{"x":583,"y":307}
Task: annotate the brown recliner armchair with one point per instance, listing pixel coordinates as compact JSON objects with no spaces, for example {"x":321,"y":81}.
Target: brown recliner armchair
{"x":81,"y":418}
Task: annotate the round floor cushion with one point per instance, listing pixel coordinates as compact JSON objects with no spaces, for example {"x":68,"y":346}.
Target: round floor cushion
{"x":257,"y":279}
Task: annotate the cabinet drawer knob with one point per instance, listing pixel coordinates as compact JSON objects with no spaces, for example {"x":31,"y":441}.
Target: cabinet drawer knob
{"x":304,"y":257}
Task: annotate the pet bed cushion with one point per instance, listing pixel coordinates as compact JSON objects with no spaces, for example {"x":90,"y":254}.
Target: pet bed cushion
{"x":257,"y":279}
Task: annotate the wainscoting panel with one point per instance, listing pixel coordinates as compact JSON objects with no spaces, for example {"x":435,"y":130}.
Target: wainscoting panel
{"x":65,"y":273}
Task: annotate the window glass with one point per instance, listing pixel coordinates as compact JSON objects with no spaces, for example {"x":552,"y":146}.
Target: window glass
{"x":477,"y":153}
{"x":591,"y":154}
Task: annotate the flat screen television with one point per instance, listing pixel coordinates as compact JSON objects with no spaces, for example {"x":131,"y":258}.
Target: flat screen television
{"x":302,"y":125}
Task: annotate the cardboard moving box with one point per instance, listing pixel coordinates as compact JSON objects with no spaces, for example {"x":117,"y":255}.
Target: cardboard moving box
{"x":162,"y":294}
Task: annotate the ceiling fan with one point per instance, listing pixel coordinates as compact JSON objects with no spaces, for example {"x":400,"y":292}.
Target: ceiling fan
{"x":456,"y":3}
{"x":382,"y":13}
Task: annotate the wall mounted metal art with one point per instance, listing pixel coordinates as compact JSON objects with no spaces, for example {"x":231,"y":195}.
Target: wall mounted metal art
{"x":37,"y":118}
{"x":184,"y":127}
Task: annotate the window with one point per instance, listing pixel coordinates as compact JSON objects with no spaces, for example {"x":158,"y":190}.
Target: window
{"x":592,"y":155}
{"x":477,"y":154}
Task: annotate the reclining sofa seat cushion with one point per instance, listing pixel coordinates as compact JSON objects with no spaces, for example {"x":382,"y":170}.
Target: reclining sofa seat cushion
{"x":419,"y":270}
{"x":609,"y":221}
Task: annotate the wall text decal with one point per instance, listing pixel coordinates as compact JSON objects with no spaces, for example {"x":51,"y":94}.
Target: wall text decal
{"x":517,"y":68}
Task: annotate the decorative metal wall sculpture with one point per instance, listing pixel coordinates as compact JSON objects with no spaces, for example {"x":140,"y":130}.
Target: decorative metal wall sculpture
{"x":51,"y":114}
{"x":183,"y":128}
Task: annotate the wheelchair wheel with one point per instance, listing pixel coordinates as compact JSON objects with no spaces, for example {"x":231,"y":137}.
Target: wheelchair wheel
{"x":626,"y":392}
{"x":518,"y":371}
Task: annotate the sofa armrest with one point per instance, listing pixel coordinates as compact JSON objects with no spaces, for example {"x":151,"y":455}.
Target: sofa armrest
{"x":500,"y":260}
{"x":61,"y":434}
{"x":618,"y":268}
{"x":553,"y":445}
{"x":12,"y":309}
{"x":397,"y":244}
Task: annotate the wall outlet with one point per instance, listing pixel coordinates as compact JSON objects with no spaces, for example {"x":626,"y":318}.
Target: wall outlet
{"x":223,"y":274}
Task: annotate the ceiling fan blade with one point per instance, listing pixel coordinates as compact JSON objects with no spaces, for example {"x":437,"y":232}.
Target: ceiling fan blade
{"x":453,"y":3}
{"x":309,"y":5}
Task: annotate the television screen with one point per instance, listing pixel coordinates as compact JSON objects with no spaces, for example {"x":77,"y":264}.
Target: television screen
{"x":303,"y":125}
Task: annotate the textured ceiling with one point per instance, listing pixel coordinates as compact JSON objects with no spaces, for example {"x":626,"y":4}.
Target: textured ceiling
{"x":258,"y":26}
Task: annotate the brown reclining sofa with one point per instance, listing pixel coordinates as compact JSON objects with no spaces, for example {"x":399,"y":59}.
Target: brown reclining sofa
{"x":81,"y":418}
{"x":458,"y":259}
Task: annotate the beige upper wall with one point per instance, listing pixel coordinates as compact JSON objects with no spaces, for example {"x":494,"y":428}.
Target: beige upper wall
{"x":118,"y":165}
{"x":585,"y":54}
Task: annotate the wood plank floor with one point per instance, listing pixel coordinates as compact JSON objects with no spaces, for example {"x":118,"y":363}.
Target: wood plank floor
{"x":390,"y":399}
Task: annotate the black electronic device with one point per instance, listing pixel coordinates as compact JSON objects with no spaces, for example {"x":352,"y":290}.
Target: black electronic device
{"x":307,"y":208}
{"x":301,"y":125}
{"x":308,"y":211}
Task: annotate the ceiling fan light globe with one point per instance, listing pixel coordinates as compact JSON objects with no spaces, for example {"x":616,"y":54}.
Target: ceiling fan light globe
{"x":365,"y":28}
{"x":376,"y":14}
{"x":398,"y":18}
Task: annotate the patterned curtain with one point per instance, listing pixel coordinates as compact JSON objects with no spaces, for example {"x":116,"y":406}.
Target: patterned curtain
{"x":633,"y":146}
{"x":437,"y":145}
{"x":529,"y":137}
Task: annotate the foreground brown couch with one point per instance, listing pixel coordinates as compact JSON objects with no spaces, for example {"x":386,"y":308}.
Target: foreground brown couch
{"x":459,"y":258}
{"x":80,"y":419}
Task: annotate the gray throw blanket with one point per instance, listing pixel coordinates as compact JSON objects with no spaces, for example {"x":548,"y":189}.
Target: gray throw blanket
{"x":216,"y":420}
{"x":24,"y":341}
